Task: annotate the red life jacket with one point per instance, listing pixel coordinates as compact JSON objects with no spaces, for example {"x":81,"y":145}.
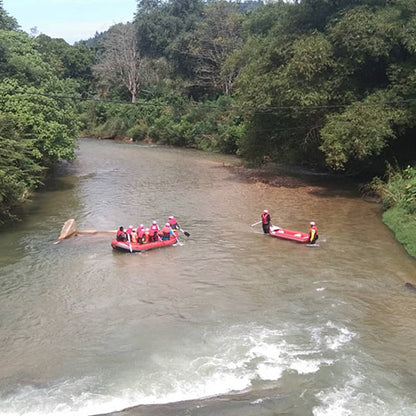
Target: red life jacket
{"x":173,"y":223}
{"x":121,"y":235}
{"x":166,"y":229}
{"x":313,"y":232}
{"x":265,"y":218}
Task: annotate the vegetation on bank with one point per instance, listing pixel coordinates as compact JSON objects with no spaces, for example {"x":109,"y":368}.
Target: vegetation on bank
{"x":37,"y":129}
{"x":209,"y":125}
{"x":325,"y":84}
{"x":398,"y":196}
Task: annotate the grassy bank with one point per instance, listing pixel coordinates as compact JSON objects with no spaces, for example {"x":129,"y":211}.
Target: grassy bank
{"x":404,"y":227}
{"x":398,"y":196}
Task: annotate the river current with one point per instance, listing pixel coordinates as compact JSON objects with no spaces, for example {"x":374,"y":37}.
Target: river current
{"x":229,"y":322}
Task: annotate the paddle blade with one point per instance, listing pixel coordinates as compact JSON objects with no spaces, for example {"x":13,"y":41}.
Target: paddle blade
{"x":184,"y":232}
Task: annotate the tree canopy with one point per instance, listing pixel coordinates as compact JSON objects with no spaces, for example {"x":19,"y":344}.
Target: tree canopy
{"x":328,"y":84}
{"x":37,"y":125}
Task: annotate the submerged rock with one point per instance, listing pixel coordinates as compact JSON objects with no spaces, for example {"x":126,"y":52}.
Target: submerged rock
{"x":410,"y":286}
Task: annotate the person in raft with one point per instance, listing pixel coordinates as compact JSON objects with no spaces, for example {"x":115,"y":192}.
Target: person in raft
{"x":153,"y":233}
{"x":121,"y":235}
{"x":141,"y":234}
{"x":133,"y":236}
{"x":173,"y":223}
{"x":265,"y":221}
{"x":166,"y":231}
{"x":128,"y":232}
{"x":313,"y":233}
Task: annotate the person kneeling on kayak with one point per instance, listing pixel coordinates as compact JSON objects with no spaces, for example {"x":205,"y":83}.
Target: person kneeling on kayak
{"x":166,"y":232}
{"x":121,"y":235}
{"x":313,"y":233}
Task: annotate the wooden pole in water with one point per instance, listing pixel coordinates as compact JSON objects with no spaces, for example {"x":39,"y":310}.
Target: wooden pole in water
{"x":70,"y":230}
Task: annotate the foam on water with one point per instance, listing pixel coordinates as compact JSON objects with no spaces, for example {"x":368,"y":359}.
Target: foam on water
{"x":354,"y":398}
{"x":234,"y":358}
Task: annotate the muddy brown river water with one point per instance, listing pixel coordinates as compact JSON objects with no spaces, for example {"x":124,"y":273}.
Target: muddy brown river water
{"x":230,"y":322}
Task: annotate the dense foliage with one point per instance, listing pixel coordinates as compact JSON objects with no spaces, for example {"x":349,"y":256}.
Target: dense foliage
{"x":328,"y":84}
{"x":398,"y":196}
{"x":37,"y":125}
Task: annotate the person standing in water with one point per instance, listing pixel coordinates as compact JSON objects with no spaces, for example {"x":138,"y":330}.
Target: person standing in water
{"x":313,"y":233}
{"x":265,"y":221}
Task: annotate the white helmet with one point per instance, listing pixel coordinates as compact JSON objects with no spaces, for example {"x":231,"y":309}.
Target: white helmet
{"x":130,"y":226}
{"x":171,"y":217}
{"x":167,"y":224}
{"x":266,"y":211}
{"x":154,"y":222}
{"x":312,"y":223}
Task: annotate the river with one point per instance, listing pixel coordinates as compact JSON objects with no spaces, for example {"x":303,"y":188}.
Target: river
{"x":230,"y":322}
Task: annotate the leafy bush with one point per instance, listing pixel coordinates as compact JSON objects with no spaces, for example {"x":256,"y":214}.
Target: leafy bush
{"x":19,"y":172}
{"x":398,"y":190}
{"x":398,"y":195}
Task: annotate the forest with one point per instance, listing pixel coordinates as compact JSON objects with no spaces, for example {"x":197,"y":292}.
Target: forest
{"x":329,"y":85}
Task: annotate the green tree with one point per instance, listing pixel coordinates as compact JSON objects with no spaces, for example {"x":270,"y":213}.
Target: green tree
{"x":164,"y":29}
{"x":7,"y":22}
{"x":18,"y":170}
{"x":37,"y":124}
{"x":67,"y":61}
{"x":216,"y":37}
{"x":319,"y":72}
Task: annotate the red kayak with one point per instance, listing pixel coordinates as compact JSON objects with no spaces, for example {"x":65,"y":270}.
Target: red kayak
{"x":297,"y":236}
{"x":136,"y":247}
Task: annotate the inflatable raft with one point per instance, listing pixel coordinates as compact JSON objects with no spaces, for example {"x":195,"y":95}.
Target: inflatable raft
{"x":297,"y":236}
{"x":136,"y":247}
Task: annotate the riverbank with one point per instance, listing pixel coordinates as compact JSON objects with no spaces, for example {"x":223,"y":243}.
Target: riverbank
{"x":403,"y":226}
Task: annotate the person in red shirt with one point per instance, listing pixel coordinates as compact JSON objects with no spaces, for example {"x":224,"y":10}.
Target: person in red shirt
{"x":313,"y":233}
{"x":265,"y":221}
{"x":153,"y":233}
{"x":121,"y":235}
{"x":129,"y":231}
{"x":166,"y":231}
{"x":173,"y":223}
{"x":141,"y":234}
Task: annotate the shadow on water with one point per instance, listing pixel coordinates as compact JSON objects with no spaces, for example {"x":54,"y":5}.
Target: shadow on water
{"x":326,"y":185}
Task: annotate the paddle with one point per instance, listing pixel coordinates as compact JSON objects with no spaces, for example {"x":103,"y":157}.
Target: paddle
{"x":185,"y":232}
{"x":178,"y":241}
{"x":128,"y":238}
{"x":256,"y":223}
